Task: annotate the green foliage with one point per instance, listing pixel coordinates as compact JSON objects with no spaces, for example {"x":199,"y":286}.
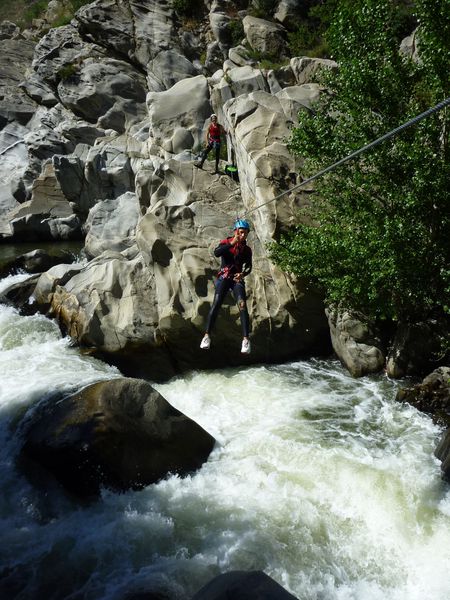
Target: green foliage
{"x":262,"y":8}
{"x":236,"y":29}
{"x":67,"y":71}
{"x":309,"y":39}
{"x":184,"y":8}
{"x":377,"y":236}
{"x":35,"y":11}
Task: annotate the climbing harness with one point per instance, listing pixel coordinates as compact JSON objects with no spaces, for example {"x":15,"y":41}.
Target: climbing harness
{"x":340,"y":162}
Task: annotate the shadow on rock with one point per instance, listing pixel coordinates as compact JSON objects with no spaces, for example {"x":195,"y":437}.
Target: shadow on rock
{"x":120,"y":434}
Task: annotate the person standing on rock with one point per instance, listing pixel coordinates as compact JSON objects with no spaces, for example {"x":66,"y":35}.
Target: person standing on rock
{"x":214,"y":135}
{"x":236,"y":264}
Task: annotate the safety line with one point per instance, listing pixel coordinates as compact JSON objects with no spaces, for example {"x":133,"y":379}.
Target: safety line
{"x":381,"y":139}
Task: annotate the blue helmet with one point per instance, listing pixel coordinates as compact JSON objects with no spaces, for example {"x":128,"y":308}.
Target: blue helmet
{"x":242,"y":224}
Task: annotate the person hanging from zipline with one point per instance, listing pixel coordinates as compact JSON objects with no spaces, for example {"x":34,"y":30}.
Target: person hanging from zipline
{"x":214,"y":135}
{"x":236,"y":264}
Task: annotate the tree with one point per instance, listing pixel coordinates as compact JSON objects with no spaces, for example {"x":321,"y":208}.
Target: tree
{"x":377,"y":236}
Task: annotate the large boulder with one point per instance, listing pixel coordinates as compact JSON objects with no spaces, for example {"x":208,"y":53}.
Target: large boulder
{"x":265,"y":36}
{"x":14,"y":161}
{"x":288,"y":14}
{"x":94,"y":173}
{"x":177,"y":116}
{"x":258,"y":129}
{"x":60,"y":52}
{"x":356,"y":342}
{"x":307,"y":70}
{"x":36,"y":261}
{"x":48,"y":215}
{"x":120,"y":434}
{"x":243,"y":585}
{"x":144,"y":33}
{"x":107,"y":92}
{"x":111,"y":224}
{"x":47,"y":282}
{"x":146,"y":308}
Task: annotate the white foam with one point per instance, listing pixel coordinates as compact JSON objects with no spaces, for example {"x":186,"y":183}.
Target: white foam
{"x":320,"y":480}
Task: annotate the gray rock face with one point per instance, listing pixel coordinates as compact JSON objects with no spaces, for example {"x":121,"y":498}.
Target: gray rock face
{"x":265,"y":36}
{"x":8,"y":30}
{"x":355,"y":342}
{"x":143,"y":32}
{"x":60,"y":52}
{"x":305,"y":69}
{"x":15,"y":58}
{"x":96,"y":173}
{"x":120,"y":434}
{"x":48,"y":215}
{"x":245,"y":585}
{"x":106,"y":92}
{"x":47,"y":282}
{"x":287,"y":14}
{"x":409,"y":46}
{"x":177,"y":116}
{"x":111,"y":224}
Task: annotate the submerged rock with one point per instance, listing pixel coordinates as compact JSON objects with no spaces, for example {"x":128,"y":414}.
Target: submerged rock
{"x":432,"y":396}
{"x":243,"y":585}
{"x":442,"y":452}
{"x":120,"y":434}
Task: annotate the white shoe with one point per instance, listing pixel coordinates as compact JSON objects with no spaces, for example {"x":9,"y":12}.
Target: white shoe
{"x":245,"y":349}
{"x":205,"y":343}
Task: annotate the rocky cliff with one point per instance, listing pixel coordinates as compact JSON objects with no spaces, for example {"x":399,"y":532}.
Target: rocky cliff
{"x":102,"y":120}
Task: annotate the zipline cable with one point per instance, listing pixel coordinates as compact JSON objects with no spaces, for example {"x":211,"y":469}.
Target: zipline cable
{"x":376,"y":142}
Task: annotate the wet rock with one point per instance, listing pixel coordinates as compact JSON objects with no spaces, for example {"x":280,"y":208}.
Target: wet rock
{"x":120,"y":434}
{"x":35,"y":261}
{"x":442,"y":452}
{"x":418,"y":347}
{"x":432,"y":396}
{"x":20,"y":295}
{"x":243,"y":585}
{"x":47,"y":282}
{"x":356,"y":342}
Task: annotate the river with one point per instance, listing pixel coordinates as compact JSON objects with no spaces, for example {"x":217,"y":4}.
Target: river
{"x":322,"y":481}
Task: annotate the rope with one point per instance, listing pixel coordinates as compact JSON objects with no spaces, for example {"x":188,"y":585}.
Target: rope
{"x":11,"y":146}
{"x":378,"y":141}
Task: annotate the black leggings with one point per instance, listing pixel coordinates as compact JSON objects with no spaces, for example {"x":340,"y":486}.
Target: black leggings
{"x":207,"y":150}
{"x":238,"y":290}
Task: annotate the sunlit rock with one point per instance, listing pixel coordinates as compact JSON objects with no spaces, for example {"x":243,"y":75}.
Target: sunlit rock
{"x":356,"y":342}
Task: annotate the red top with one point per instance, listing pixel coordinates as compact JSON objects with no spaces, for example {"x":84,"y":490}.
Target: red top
{"x":214,"y":132}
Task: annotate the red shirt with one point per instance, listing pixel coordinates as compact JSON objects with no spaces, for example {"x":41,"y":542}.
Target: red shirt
{"x":214,"y":132}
